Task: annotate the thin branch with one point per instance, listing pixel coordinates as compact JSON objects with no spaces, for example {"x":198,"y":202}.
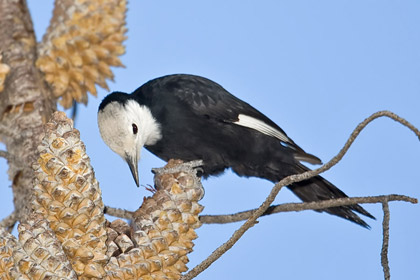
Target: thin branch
{"x":286,"y":207}
{"x":9,"y":222}
{"x":9,"y":157}
{"x":385,"y":240}
{"x":4,"y":154}
{"x":287,"y":181}
{"x":315,"y":205}
{"x":118,"y":212}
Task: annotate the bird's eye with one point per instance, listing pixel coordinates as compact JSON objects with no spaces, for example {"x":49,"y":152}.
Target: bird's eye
{"x":135,"y":129}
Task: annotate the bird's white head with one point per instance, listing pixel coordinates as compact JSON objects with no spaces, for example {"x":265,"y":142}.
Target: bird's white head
{"x":126,"y":126}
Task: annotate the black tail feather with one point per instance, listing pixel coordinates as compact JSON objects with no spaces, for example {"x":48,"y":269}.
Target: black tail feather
{"x":318,"y":188}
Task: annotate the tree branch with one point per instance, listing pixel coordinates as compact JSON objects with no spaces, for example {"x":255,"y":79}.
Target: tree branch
{"x":315,"y":205}
{"x":287,"y":181}
{"x":4,"y":154}
{"x":9,"y":222}
{"x":118,"y":212}
{"x":24,"y":104}
{"x":385,"y":240}
{"x":280,"y":208}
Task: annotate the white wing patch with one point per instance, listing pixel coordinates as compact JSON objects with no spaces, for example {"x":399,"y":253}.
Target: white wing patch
{"x":261,"y":126}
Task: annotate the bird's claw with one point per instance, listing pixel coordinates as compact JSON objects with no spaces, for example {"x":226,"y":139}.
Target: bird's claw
{"x":149,"y":188}
{"x":195,"y":165}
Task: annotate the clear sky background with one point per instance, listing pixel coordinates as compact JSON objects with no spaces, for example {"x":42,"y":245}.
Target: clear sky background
{"x":316,"y":68}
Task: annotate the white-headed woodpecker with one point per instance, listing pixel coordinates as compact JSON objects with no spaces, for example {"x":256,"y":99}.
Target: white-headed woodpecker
{"x":189,"y":117}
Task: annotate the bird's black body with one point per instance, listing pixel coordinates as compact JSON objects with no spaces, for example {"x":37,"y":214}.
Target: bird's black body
{"x":199,"y":120}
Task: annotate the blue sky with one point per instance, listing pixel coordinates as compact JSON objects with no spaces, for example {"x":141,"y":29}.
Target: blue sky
{"x":316,"y":68}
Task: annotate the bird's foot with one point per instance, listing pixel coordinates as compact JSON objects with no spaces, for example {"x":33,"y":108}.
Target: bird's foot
{"x":175,"y":166}
{"x":149,"y":188}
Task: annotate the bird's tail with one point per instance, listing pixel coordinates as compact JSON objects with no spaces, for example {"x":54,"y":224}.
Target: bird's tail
{"x":318,"y":188}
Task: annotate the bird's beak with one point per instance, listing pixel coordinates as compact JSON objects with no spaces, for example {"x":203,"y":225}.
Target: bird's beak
{"x":133,"y":164}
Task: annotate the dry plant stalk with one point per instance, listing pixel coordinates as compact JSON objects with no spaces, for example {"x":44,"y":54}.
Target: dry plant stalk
{"x":83,"y":40}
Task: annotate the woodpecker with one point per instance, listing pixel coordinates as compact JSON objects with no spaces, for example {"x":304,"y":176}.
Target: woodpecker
{"x":189,"y":118}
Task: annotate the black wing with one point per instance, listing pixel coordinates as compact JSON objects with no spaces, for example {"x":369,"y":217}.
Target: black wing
{"x":207,"y":98}
{"x":204,"y":97}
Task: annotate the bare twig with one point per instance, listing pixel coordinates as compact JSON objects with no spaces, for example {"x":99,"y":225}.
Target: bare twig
{"x":9,"y":222}
{"x":287,"y":181}
{"x":9,"y":157}
{"x":385,"y":241}
{"x":118,"y":212}
{"x":286,"y":207}
{"x":315,"y":205}
{"x":4,"y":154}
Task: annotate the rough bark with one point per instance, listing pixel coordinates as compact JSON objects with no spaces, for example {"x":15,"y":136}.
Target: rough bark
{"x":24,"y":103}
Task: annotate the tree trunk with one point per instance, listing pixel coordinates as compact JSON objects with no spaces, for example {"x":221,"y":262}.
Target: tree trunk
{"x":25,"y":103}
